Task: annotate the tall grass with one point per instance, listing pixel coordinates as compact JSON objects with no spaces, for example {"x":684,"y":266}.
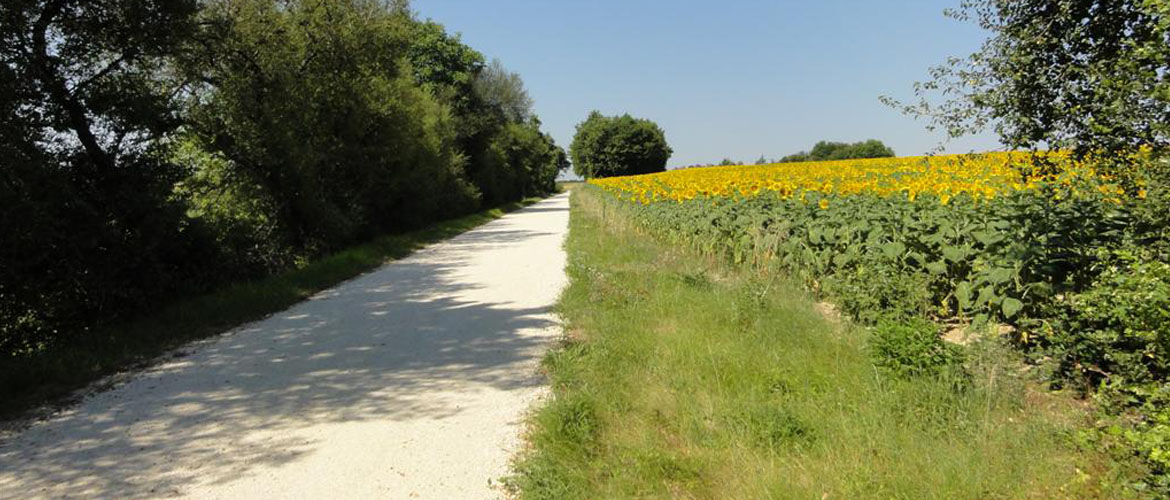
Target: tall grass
{"x":682,"y":377}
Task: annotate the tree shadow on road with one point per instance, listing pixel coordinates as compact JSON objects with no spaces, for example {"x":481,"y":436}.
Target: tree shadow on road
{"x":369,"y":349}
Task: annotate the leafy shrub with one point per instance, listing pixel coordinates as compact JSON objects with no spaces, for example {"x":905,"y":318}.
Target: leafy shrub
{"x":872,"y":293}
{"x":74,"y":256}
{"x":1119,"y":327}
{"x":1151,"y":440}
{"x":88,"y":231}
{"x":1135,"y":423}
{"x":241,"y":215}
{"x":912,"y":348}
{"x":278,"y":131}
{"x":607,"y":146}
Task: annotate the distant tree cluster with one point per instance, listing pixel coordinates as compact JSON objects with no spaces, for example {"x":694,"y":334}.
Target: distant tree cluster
{"x":151,"y":150}
{"x":607,"y":146}
{"x":726,"y":162}
{"x":828,"y":151}
{"x":822,"y":151}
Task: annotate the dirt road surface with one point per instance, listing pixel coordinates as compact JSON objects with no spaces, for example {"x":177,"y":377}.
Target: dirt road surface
{"x":408,"y":382}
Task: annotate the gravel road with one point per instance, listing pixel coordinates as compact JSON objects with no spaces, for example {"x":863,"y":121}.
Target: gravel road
{"x":408,"y":382}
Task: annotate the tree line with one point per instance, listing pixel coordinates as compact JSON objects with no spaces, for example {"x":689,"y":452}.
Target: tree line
{"x":831,"y":150}
{"x":154,"y":150}
{"x":821,"y":151}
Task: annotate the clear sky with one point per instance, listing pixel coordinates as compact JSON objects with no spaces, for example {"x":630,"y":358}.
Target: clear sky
{"x":730,"y":78}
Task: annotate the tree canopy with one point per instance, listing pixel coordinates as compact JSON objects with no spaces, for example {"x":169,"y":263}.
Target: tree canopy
{"x":1085,"y":75}
{"x":606,"y":146}
{"x":153,"y":150}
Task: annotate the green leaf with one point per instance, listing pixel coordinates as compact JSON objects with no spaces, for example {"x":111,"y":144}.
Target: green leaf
{"x":1011,"y":307}
{"x":814,"y":235}
{"x":987,"y":238}
{"x":937,"y":267}
{"x":963,"y":295}
{"x":842,"y":260}
{"x":893,"y":249}
{"x":955,"y":254}
{"x":1000,"y":275}
{"x":987,"y":294}
{"x":1040,"y":289}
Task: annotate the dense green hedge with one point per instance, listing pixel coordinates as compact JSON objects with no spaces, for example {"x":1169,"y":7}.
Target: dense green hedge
{"x":213,"y":142}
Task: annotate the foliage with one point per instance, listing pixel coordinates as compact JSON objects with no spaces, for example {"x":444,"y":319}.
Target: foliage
{"x":912,"y":348}
{"x":1151,"y":440}
{"x":1116,"y":335}
{"x":1065,"y":257}
{"x":239,"y":212}
{"x":445,"y":67}
{"x":1086,"y":75}
{"x":487,"y":104}
{"x":1151,"y":224}
{"x":978,"y":257}
{"x":979,"y":176}
{"x":156,"y":150}
{"x":531,"y":161}
{"x":310,"y":104}
{"x":88,"y":226}
{"x":504,"y":90}
{"x":57,"y":370}
{"x":831,"y":151}
{"x":1117,"y":328}
{"x":875,"y":292}
{"x":606,"y":146}
{"x":680,"y":373}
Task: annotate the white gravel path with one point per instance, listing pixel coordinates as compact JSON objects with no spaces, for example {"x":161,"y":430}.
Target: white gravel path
{"x":407,"y":382}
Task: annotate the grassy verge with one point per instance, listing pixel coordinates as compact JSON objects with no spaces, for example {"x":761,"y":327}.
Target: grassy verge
{"x":683,"y":377}
{"x":30,"y":382}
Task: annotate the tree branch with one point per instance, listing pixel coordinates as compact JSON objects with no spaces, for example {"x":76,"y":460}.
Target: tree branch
{"x":103,"y":72}
{"x":46,"y":72}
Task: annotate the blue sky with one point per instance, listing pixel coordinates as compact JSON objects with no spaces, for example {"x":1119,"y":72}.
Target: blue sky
{"x":734,"y":78}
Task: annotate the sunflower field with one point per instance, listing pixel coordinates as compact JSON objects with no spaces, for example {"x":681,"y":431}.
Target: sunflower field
{"x":980,"y":236}
{"x":1040,"y":244}
{"x":980,"y":177}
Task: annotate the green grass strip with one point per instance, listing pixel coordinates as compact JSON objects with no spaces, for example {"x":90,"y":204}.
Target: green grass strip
{"x":686,"y":377}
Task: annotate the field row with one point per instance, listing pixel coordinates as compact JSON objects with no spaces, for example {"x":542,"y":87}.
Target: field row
{"x":1038,"y":245}
{"x":980,"y":177}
